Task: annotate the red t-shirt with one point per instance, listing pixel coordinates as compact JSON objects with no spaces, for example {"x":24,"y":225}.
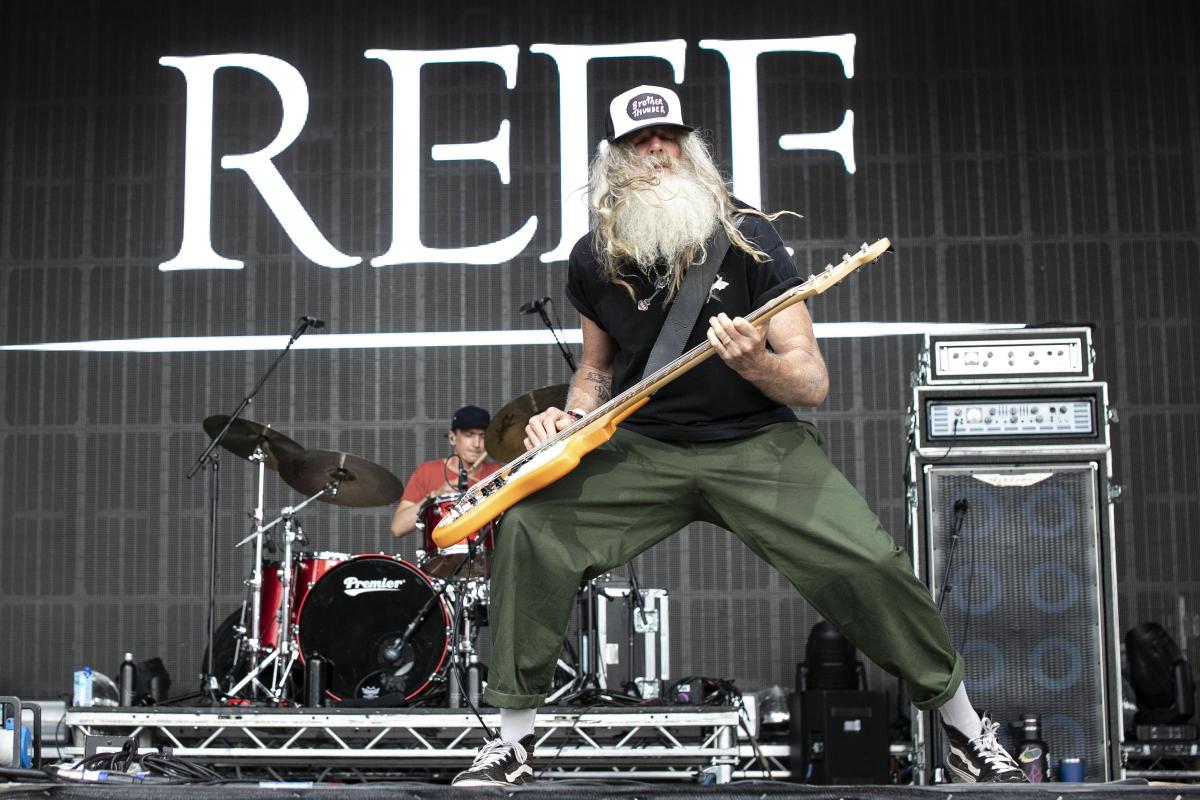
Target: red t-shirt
{"x":432,"y":474}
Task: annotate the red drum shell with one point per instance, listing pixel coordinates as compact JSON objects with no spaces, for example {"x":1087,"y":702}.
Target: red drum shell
{"x":309,"y":569}
{"x":441,"y":562}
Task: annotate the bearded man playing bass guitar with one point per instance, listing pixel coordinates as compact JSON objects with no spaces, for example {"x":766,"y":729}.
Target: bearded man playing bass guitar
{"x":718,"y":445}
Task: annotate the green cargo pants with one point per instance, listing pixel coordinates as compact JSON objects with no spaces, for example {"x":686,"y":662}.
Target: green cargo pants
{"x":775,"y":489}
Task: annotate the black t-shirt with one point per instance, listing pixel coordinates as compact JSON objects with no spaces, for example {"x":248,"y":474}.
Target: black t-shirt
{"x":711,"y":402}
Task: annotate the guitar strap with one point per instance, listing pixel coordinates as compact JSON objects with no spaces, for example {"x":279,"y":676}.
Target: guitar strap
{"x":686,"y":308}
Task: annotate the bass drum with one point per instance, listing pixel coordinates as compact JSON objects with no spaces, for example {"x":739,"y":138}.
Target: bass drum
{"x":355,"y":617}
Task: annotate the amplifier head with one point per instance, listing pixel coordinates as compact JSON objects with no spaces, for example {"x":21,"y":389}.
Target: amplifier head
{"x":959,"y":420}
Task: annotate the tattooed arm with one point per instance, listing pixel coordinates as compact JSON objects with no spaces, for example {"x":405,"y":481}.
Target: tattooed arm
{"x":591,"y":385}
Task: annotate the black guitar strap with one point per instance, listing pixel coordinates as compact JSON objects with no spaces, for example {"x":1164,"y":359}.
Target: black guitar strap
{"x":686,"y":308}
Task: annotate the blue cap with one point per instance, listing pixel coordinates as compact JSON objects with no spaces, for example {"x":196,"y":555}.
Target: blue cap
{"x":470,"y":417}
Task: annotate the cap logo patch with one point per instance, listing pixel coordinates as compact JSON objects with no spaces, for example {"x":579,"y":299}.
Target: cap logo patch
{"x":647,"y":106}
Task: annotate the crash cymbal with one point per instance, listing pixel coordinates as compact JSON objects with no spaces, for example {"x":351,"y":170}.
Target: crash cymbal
{"x":505,"y":438}
{"x":244,"y":435}
{"x":360,"y":483}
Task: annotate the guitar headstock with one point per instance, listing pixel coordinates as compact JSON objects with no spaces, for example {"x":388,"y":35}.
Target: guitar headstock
{"x":833,"y":273}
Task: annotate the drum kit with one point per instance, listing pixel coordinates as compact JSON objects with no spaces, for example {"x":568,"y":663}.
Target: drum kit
{"x":365,"y":629}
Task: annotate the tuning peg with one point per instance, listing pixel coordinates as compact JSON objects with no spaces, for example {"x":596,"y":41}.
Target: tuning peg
{"x":865,"y":247}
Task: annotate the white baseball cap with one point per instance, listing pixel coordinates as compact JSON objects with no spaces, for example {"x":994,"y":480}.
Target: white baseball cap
{"x":643,"y":107}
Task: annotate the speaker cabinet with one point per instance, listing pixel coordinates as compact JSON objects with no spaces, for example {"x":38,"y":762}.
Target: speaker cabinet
{"x":1028,"y":598}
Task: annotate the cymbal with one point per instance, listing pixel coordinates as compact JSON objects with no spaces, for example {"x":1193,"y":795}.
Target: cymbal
{"x":245,"y":435}
{"x":361,"y":483}
{"x":505,"y":438}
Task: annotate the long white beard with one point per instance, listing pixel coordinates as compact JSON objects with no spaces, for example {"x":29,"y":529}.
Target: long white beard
{"x":667,"y":221}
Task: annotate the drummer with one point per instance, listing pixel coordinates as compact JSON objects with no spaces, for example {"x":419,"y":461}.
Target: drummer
{"x":467,"y":464}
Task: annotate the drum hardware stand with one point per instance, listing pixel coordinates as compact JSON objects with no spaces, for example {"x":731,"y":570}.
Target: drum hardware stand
{"x":209,"y":461}
{"x":283,"y":657}
{"x":464,"y":642}
{"x":586,"y":685}
{"x":255,"y":582}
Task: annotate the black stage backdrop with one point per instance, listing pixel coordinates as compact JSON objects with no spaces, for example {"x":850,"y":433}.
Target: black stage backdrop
{"x":1033,"y":162}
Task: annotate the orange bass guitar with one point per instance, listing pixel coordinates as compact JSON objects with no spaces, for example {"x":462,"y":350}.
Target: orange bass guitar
{"x":555,"y":457}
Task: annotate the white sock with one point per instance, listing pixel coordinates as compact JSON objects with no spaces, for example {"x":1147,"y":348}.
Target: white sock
{"x":516,"y":723}
{"x":957,"y":713}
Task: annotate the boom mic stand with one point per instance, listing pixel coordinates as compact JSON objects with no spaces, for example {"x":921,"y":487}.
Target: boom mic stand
{"x":393,"y":651}
{"x":539,"y":306}
{"x":209,"y":461}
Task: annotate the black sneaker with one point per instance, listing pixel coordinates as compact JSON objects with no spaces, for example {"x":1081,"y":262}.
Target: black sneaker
{"x":982,"y":759}
{"x":499,"y":763}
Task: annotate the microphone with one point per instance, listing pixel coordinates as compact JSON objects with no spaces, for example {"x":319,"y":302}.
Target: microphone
{"x":961,"y":505}
{"x":312,"y":322}
{"x":462,"y":475}
{"x":391,"y":651}
{"x":533,"y":306}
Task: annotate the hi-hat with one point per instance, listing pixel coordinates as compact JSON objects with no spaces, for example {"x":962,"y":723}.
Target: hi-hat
{"x":246,"y":435}
{"x":360,"y":483}
{"x":505,"y":438}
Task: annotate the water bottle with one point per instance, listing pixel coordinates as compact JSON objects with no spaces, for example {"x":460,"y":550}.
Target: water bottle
{"x":315,"y":675}
{"x":1032,"y":753}
{"x":81,"y":697}
{"x":127,"y":675}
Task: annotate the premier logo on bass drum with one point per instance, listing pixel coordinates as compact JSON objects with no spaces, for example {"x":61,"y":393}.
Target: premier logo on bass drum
{"x":356,"y":586}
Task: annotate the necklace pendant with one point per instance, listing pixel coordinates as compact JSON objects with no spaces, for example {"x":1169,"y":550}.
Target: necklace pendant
{"x":643,"y":305}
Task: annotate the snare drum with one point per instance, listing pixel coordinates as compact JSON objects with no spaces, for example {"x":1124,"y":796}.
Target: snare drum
{"x":441,"y":562}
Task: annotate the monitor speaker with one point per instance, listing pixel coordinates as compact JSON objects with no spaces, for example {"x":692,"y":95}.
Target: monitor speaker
{"x":840,"y":738}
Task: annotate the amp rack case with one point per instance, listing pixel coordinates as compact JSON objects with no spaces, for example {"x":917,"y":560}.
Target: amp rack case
{"x":1025,"y":355}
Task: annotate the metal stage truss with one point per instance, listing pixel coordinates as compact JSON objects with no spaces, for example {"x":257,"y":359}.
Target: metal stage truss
{"x":668,"y":743}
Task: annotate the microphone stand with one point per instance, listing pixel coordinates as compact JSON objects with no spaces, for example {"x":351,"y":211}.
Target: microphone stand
{"x":209,"y":461}
{"x":637,"y":605}
{"x":566,"y":352}
{"x":960,"y":515}
{"x":398,"y":644}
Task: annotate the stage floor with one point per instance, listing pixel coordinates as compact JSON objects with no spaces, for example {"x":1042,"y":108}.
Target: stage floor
{"x":616,"y":789}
